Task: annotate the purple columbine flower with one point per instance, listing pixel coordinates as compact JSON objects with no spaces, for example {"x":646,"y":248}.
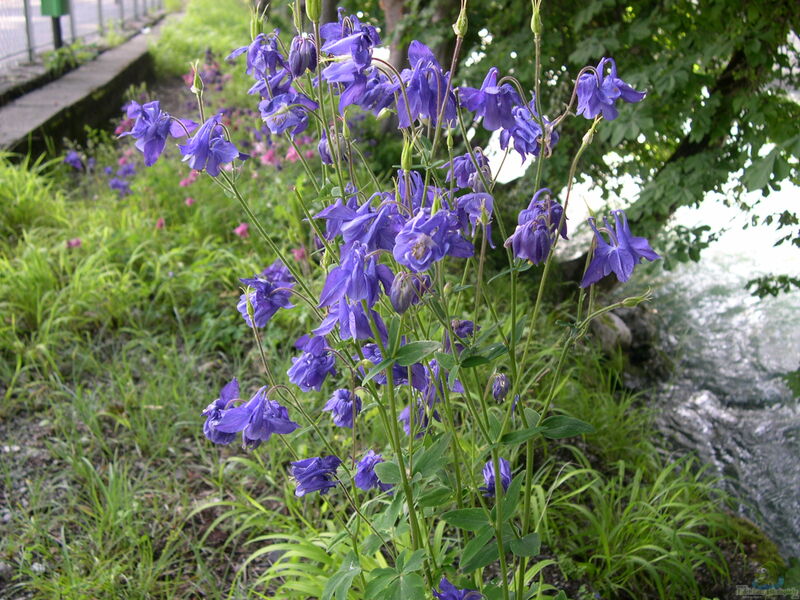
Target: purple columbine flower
{"x":597,"y":92}
{"x":536,"y":229}
{"x":258,"y":419}
{"x":344,"y":406}
{"x":492,"y":102}
{"x":447,"y":591}
{"x":462,"y":170}
{"x":619,"y":256}
{"x":527,"y":134}
{"x":353,"y":321}
{"x":475,"y":208}
{"x":151,"y":129}
{"x":500,"y":386}
{"x":208,"y":149}
{"x":426,"y":239}
{"x":360,"y":277}
{"x":287,"y":111}
{"x":217,"y":409}
{"x":425,"y":83}
{"x":302,"y":54}
{"x":407,"y":289}
{"x":315,"y":474}
{"x":366,"y":478}
{"x":269,"y":294}
{"x":263,"y":56}
{"x":350,"y":36}
{"x":309,"y":370}
{"x":122,"y":187}
{"x":421,"y":420}
{"x":73,"y":159}
{"x":489,"y":477}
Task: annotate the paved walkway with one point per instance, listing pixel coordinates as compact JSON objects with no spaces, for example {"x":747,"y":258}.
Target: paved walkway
{"x":88,"y":95}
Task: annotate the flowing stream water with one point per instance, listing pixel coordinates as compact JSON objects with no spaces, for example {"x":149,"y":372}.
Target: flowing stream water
{"x":728,"y":399}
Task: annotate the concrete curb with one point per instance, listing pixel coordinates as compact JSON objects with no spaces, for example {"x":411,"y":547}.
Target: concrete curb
{"x":89,"y":95}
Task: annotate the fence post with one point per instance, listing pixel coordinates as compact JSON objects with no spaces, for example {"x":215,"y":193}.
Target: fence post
{"x":28,"y":29}
{"x":136,"y":9}
{"x":121,"y":14}
{"x":72,"y":35}
{"x":100,"y":17}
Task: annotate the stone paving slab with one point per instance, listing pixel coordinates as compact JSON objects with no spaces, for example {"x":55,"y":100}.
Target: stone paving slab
{"x":90,"y":94}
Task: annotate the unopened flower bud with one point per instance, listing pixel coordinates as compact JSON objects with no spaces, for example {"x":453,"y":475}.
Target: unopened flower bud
{"x":536,"y":18}
{"x":314,"y":10}
{"x":406,"y":155}
{"x":197,"y":81}
{"x":302,"y":54}
{"x":407,"y":289}
{"x":500,"y":386}
{"x":460,"y":26}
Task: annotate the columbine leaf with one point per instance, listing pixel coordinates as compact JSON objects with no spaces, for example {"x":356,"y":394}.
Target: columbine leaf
{"x":436,"y":497}
{"x":470,"y":519}
{"x":433,"y":457}
{"x":413,"y":352}
{"x":521,"y":436}
{"x":388,"y":472}
{"x":339,"y":583}
{"x":526,"y":546}
{"x":562,"y":426}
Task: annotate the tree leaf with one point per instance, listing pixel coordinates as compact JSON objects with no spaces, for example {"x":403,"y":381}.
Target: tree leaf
{"x":469,"y":519}
{"x":562,"y":426}
{"x":413,"y":352}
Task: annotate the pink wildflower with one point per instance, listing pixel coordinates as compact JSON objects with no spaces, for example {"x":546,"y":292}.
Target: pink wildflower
{"x":292,"y":155}
{"x":161,"y":223}
{"x":74,"y":243}
{"x":243,"y":230}
{"x":189,"y":201}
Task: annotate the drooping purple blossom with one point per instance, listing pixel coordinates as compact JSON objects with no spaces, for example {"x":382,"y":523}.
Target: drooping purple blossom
{"x":214,"y":412}
{"x":536,"y":229}
{"x":426,"y":239}
{"x":462,"y":170}
{"x":302,"y":54}
{"x":419,"y":378}
{"x":151,"y":129}
{"x":500,"y":386}
{"x":421,"y":419}
{"x":366,"y":478}
{"x":339,"y":212}
{"x":463,"y":329}
{"x":489,"y":477}
{"x":208,"y":149}
{"x":315,"y":474}
{"x":407,"y":289}
{"x":350,"y":36}
{"x":258,"y":419}
{"x":309,"y":370}
{"x":264,"y":58}
{"x":287,"y":112}
{"x":73,"y":159}
{"x":353,"y":322}
{"x":621,"y":255}
{"x":344,"y":406}
{"x":271,"y":292}
{"x":598,"y":92}
{"x":426,"y":83}
{"x":359,"y":276}
{"x":492,"y":102}
{"x":119,"y":184}
{"x":447,"y":591}
{"x":526,"y":134}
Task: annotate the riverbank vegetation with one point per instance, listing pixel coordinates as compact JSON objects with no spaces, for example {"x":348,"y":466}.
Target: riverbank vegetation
{"x":118,"y":286}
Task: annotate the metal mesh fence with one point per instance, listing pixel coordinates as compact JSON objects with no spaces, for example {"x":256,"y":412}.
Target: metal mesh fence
{"x":24,"y":32}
